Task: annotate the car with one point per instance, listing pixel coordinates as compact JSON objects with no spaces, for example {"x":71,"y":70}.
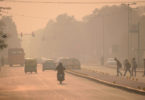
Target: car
{"x":70,"y":63}
{"x":111,"y":62}
{"x":40,"y":60}
{"x":30,"y":65}
{"x":48,"y":64}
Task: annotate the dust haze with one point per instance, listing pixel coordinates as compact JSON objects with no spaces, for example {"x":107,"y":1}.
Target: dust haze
{"x":72,"y":50}
{"x":103,"y":32}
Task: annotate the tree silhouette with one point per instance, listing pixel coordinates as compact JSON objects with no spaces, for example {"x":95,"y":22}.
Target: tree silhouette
{"x":3,"y":35}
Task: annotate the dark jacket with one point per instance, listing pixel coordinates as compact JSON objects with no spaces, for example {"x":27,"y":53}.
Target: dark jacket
{"x":127,"y":65}
{"x":134,"y":64}
{"x":60,"y":68}
{"x":119,"y":65}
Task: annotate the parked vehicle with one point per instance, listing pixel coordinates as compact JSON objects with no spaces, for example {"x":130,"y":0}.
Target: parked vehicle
{"x":70,"y":63}
{"x":48,"y":64}
{"x":40,"y":60}
{"x":30,"y":65}
{"x":110,"y":62}
{"x":16,"y":56}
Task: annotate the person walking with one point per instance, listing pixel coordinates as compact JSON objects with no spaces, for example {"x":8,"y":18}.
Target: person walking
{"x":134,"y":66}
{"x":127,"y":66}
{"x":60,"y":70}
{"x":119,"y":65}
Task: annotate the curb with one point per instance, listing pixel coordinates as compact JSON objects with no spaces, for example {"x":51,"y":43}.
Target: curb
{"x":129,"y":89}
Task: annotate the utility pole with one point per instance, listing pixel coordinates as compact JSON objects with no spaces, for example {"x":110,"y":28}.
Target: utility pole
{"x":103,"y":40}
{"x":138,"y":44}
{"x":128,"y":31}
{"x":129,"y":28}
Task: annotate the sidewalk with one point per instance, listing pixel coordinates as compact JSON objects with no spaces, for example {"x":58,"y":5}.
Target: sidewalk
{"x":108,"y":76}
{"x":112,"y":71}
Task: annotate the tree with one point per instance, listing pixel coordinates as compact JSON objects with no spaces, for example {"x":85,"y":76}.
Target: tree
{"x":3,"y":36}
{"x":2,"y":40}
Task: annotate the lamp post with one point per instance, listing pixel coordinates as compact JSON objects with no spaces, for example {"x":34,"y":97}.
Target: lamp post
{"x":129,"y":26}
{"x":139,"y":43}
{"x":103,"y":40}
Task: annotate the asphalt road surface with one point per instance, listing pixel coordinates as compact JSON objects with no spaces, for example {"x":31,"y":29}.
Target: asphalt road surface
{"x":16,"y":85}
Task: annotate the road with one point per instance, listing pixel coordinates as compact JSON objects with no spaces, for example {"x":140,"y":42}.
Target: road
{"x":16,"y":85}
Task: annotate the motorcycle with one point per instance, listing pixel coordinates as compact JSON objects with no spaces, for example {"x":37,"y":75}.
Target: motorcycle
{"x":60,"y":77}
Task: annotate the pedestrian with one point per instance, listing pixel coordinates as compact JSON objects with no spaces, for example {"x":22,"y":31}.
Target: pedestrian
{"x":144,"y":67}
{"x":60,"y":70}
{"x":127,"y":66}
{"x":134,"y":66}
{"x":119,"y":65}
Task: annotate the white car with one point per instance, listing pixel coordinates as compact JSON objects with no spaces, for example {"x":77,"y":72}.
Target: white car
{"x":111,"y":61}
{"x":70,"y":63}
{"x":49,"y":64}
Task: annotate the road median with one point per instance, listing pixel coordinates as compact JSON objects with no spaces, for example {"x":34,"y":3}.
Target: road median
{"x":112,"y":82}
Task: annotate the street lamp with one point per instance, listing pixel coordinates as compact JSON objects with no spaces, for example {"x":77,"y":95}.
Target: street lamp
{"x":129,"y":25}
{"x":103,"y":41}
{"x":138,"y":43}
{"x":102,"y":58}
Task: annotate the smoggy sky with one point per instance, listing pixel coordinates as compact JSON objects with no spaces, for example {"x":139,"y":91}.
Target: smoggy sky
{"x":32,"y":16}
